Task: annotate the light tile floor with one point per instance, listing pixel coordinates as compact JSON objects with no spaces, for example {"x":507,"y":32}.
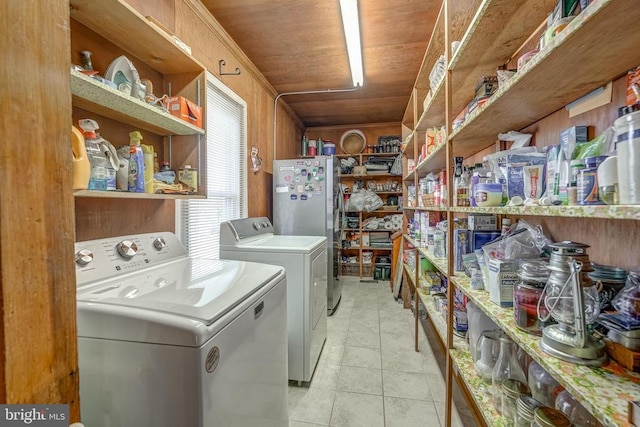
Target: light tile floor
{"x":369,"y":373}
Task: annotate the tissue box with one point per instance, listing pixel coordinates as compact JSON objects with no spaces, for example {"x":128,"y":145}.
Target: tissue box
{"x":503,"y":275}
{"x":186,"y":110}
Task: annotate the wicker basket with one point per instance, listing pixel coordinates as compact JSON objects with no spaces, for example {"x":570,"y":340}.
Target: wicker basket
{"x":353,"y":142}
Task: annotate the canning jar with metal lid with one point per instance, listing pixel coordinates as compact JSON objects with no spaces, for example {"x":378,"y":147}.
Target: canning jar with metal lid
{"x":511,"y":390}
{"x":532,"y":277}
{"x":525,"y":405}
{"x":544,"y":416}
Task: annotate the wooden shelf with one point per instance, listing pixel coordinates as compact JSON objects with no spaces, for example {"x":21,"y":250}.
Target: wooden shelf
{"x":435,"y":161}
{"x":478,"y":389}
{"x":370,"y":175}
{"x":433,"y":115}
{"x":498,"y":29}
{"x":604,"y":391}
{"x":439,"y":263}
{"x":96,"y":97}
{"x":408,"y":144}
{"x":410,"y":240}
{"x":126,"y":195}
{"x":551,"y":79}
{"x":631,"y":212}
{"x":121,"y":24}
{"x":368,"y":248}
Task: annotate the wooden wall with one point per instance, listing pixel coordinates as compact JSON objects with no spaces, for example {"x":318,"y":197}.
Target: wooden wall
{"x":38,"y":335}
{"x":371,"y":133}
{"x":192,"y":23}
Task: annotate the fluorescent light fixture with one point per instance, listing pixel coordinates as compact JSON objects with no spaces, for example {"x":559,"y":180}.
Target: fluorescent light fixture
{"x":351,"y":25}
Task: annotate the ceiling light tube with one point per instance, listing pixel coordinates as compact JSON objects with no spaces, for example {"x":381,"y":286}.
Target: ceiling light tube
{"x":351,"y":25}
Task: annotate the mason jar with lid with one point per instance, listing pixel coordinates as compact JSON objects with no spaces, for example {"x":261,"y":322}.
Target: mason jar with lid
{"x":533,"y":275}
{"x":511,"y":391}
{"x":525,"y":405}
{"x":544,"y":416}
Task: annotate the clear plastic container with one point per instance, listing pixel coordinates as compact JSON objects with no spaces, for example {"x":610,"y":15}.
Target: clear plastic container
{"x":544,"y":388}
{"x":511,"y":391}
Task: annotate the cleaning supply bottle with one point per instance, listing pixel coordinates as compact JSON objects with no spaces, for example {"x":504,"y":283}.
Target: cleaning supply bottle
{"x":113,"y":164}
{"x":81,"y":164}
{"x":136,"y":163}
{"x":97,"y":159}
{"x":147,"y":151}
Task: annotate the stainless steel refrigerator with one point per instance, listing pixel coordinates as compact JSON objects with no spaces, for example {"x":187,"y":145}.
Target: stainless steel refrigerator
{"x":306,"y":202}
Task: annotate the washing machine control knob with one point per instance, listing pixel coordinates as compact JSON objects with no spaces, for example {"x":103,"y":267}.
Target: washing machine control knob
{"x":265,"y":224}
{"x":84,"y":257}
{"x":159,"y":243}
{"x":127,"y":249}
{"x":256,"y":225}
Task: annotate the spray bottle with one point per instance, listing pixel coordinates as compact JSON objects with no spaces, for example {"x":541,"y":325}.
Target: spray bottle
{"x":136,"y":163}
{"x":101,"y":170}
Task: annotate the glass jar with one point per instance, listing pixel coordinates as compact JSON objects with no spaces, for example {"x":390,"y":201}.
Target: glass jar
{"x":487,"y":349}
{"x":578,"y":414}
{"x":525,"y":405}
{"x":533,"y":276}
{"x":524,"y":360}
{"x":511,"y":391}
{"x":544,"y":388}
{"x":544,"y":416}
{"x":506,"y":367}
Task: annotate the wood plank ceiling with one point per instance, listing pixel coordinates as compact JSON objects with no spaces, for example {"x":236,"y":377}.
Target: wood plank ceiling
{"x":299,"y":45}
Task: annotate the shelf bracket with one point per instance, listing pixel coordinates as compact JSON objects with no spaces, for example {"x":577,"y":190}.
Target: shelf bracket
{"x":221,"y":64}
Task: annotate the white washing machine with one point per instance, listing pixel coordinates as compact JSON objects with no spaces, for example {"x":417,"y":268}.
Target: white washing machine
{"x":166,"y":340}
{"x":305,"y":260}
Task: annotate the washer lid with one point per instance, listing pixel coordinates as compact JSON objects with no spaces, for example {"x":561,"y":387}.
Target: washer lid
{"x":198,"y":290}
{"x":278,"y":243}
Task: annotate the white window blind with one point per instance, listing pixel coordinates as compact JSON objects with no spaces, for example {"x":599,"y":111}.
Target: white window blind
{"x":198,"y":221}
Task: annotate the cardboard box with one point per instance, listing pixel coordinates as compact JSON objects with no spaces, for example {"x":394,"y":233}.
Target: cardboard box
{"x":186,"y":110}
{"x":633,"y":77}
{"x":481,"y":238}
{"x":503,"y":275}
{"x":486,"y":86}
{"x":483,"y":222}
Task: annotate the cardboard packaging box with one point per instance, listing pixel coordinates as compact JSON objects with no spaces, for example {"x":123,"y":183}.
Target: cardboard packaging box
{"x":481,"y":238}
{"x":186,"y":110}
{"x":483,"y":222}
{"x":503,"y":275}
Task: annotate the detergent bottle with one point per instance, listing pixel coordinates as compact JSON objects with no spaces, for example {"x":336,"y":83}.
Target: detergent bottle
{"x":147,"y":151}
{"x":136,"y":163}
{"x":99,"y":163}
{"x":81,"y":164}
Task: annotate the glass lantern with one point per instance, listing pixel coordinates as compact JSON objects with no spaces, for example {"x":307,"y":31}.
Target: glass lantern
{"x":571,"y":298}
